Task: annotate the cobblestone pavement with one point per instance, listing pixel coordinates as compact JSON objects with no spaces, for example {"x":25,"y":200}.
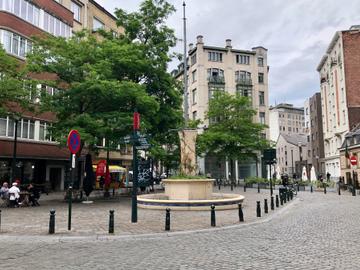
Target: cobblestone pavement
{"x":316,"y":231}
{"x":90,"y":219}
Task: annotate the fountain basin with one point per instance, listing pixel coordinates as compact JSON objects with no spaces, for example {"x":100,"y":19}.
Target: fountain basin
{"x":188,"y":189}
{"x":161,"y":201}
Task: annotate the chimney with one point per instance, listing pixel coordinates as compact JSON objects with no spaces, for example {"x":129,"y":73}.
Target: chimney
{"x":228,"y":44}
{"x":191,"y":46}
{"x":199,"y":39}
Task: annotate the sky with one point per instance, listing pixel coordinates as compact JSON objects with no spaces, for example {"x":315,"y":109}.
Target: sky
{"x":295,"y":32}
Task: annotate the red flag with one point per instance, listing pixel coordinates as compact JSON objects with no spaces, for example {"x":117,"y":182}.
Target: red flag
{"x":136,"y":121}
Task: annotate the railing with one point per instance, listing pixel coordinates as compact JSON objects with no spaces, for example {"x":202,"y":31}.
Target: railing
{"x":216,"y":79}
{"x":244,"y":81}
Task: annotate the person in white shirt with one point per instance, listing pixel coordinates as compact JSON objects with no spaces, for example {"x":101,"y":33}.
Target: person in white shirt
{"x":14,"y":193}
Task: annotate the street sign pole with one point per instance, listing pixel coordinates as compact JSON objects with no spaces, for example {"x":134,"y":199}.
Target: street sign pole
{"x":74,"y":145}
{"x":136,"y":127}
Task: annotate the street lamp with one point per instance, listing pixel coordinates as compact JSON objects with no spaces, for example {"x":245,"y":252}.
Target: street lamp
{"x":13,"y":164}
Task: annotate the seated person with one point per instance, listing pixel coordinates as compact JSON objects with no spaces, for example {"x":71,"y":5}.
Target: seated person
{"x":34,"y":195}
{"x":14,"y":195}
{"x":4,"y":193}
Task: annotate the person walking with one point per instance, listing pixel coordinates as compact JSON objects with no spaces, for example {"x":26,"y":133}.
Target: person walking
{"x":14,"y":195}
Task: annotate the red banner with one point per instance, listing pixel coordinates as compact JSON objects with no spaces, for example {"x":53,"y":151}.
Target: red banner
{"x":101,"y":168}
{"x":136,"y":121}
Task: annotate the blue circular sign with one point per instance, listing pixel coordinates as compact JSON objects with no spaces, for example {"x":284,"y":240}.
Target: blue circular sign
{"x":74,"y":141}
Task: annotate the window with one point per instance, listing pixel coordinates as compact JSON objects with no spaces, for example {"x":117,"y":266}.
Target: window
{"x":214,"y":88}
{"x":97,"y":24}
{"x":76,"y":9}
{"x":193,"y":59}
{"x":194,"y":76}
{"x":289,"y":129}
{"x":262,"y":117}
{"x":243,"y":59}
{"x":261,"y":77}
{"x":280,"y":128}
{"x":194,"y":115}
{"x":261,"y":98}
{"x":215,"y":75}
{"x":194,"y":96}
{"x":14,"y":43}
{"x":244,"y":90}
{"x":260,"y":61}
{"x":243,"y":77}
{"x":215,"y":56}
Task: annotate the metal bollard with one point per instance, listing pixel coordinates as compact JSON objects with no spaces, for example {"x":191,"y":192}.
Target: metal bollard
{"x":298,"y":188}
{"x":266,"y":208}
{"x":241,"y":214}
{"x":52,"y":222}
{"x":277,"y":200}
{"x":325,"y":189}
{"x":272,"y":203}
{"x":244,"y":187}
{"x":213,"y":220}
{"x":111,"y":221}
{"x":339,"y":192}
{"x":232,"y":186}
{"x":288,"y":195}
{"x":354,"y":191}
{"x":219,"y":184}
{"x":258,"y":209}
{"x":167,"y":220}
{"x":258,"y":188}
{"x":291,"y":195}
{"x":311,"y":189}
{"x":281,"y":199}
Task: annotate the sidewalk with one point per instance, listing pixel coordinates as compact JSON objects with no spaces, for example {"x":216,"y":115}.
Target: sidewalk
{"x":92,"y":219}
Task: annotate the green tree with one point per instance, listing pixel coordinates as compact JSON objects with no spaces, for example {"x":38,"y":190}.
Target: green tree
{"x":15,"y":85}
{"x":98,"y":93}
{"x":147,"y":28}
{"x":232,"y":132}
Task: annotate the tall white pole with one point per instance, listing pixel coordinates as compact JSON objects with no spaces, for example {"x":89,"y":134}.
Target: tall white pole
{"x":186,"y":105}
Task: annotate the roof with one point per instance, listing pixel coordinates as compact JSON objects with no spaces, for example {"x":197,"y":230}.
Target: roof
{"x":102,"y":9}
{"x":295,"y":139}
{"x":287,"y":106}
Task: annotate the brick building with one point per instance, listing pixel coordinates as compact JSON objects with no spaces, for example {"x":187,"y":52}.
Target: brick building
{"x":339,"y":71}
{"x":39,"y":158}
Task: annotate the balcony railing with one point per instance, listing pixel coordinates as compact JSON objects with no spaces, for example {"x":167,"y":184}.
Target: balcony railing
{"x":244,"y":81}
{"x":216,"y":80}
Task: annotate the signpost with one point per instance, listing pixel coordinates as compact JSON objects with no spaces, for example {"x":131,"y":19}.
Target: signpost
{"x":353,"y":161}
{"x":74,"y":144}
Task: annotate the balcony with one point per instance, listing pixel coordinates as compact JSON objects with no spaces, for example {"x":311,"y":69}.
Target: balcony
{"x":216,"y":80}
{"x":243,"y":81}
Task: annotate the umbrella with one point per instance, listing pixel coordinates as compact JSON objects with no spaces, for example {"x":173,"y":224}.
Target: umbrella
{"x":304,"y":176}
{"x":278,"y":173}
{"x":312,"y":174}
{"x":90,"y":177}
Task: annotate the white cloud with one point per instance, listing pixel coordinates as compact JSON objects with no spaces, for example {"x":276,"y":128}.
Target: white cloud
{"x":296,"y":33}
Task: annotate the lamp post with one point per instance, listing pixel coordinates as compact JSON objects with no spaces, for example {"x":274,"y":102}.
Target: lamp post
{"x":13,"y":163}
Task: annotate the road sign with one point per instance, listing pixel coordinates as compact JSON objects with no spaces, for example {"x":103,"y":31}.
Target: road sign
{"x":74,"y":141}
{"x":353,"y":160}
{"x":143,"y":147}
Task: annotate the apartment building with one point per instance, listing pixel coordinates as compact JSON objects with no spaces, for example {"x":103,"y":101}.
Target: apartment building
{"x":339,"y":71}
{"x":286,"y":119}
{"x":232,"y":70}
{"x":38,"y":158}
{"x":291,"y":153}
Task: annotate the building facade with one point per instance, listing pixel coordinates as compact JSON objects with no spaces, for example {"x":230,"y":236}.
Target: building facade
{"x":39,"y":159}
{"x":286,"y":119}
{"x":340,"y":100}
{"x":291,"y":154}
{"x":316,"y":138}
{"x":234,"y":71}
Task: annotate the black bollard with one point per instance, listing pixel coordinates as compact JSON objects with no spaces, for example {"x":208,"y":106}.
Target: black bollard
{"x":339,"y":192}
{"x":232,"y":186}
{"x":167,"y":220}
{"x":219,"y":184}
{"x":111,"y":221}
{"x":291,"y":194}
{"x":241,"y":214}
{"x":266,"y":209}
{"x":311,"y":189}
{"x":277,"y":200}
{"x":325,"y":189}
{"x":298,"y":188}
{"x":258,"y":188}
{"x":244,"y":187}
{"x":281,"y":199}
{"x":52,"y":222}
{"x":258,"y":209}
{"x":213,"y":220}
{"x":353,"y":191}
{"x":272,"y":203}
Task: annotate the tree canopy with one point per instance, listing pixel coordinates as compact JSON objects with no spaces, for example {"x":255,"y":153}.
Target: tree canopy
{"x":232,"y":132}
{"x":102,"y":80}
{"x":14,"y":85}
